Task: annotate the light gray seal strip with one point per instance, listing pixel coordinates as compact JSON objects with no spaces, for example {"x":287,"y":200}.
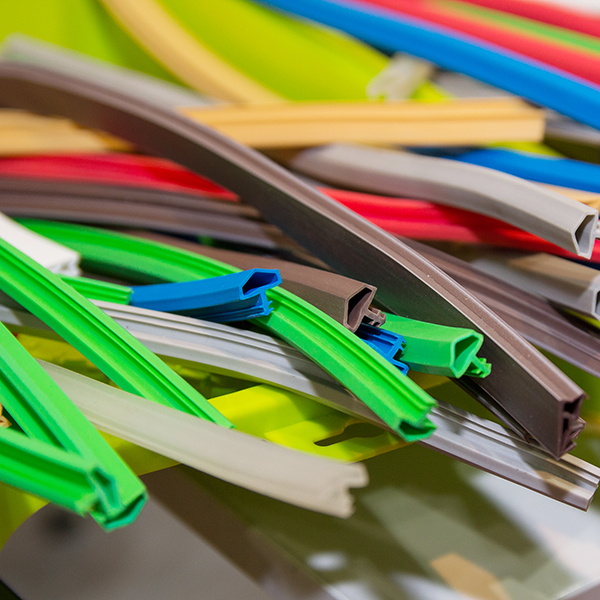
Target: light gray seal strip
{"x":261,"y":358}
{"x":563,"y":221}
{"x":562,"y":282}
{"x":528,"y":387}
{"x":303,"y":479}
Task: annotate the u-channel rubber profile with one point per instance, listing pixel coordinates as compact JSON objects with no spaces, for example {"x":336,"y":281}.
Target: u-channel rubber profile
{"x":259,"y":357}
{"x":530,"y":388}
{"x":542,"y":212}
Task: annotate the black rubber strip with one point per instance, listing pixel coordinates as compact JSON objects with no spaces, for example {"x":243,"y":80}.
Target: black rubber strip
{"x":523,"y":382}
{"x":346,"y":300}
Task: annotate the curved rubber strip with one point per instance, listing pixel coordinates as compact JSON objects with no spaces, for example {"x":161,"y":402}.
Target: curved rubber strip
{"x":97,"y":337}
{"x":95,"y":289}
{"x":171,"y":44}
{"x":515,"y":73}
{"x":395,"y":398}
{"x":556,"y":171}
{"x":560,"y":16}
{"x":389,"y":344}
{"x":560,"y":220}
{"x":223,"y":299}
{"x":302,"y":479}
{"x":460,"y":122}
{"x":251,"y":355}
{"x":427,"y":294}
{"x":583,"y":64}
{"x":560,"y":281}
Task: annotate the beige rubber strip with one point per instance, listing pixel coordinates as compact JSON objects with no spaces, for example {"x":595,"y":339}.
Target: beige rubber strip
{"x":25,"y":133}
{"x":407,"y":122}
{"x":590,"y":198}
{"x":171,"y":44}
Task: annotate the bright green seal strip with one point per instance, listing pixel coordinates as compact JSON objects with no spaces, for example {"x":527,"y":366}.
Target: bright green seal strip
{"x":395,"y":398}
{"x":438,"y":349}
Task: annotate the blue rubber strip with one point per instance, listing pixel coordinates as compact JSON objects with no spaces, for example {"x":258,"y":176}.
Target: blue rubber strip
{"x":387,"y":343}
{"x":235,"y":297}
{"x":565,"y":172}
{"x":501,"y":68}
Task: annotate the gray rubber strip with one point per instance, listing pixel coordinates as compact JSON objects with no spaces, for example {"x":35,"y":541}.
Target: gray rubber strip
{"x":261,"y":358}
{"x":531,"y":316}
{"x":565,"y":222}
{"x":300,"y":478}
{"x":562,"y":282}
{"x":29,"y":50}
{"x":537,"y":394}
{"x":346,"y":300}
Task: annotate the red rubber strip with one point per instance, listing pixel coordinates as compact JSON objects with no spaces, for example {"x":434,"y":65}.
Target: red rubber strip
{"x":581,"y":63}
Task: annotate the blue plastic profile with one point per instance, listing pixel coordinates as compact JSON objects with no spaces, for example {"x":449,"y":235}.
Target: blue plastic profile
{"x":501,"y":68}
{"x":223,"y":299}
{"x":564,"y":172}
{"x":387,"y":343}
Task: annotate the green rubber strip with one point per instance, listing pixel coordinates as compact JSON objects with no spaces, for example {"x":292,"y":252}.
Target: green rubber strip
{"x":295,"y":59}
{"x":110,"y":347}
{"x":81,"y":25}
{"x":45,"y":414}
{"x":569,"y":38}
{"x":438,"y":349}
{"x":94,"y":289}
{"x":393,"y":397}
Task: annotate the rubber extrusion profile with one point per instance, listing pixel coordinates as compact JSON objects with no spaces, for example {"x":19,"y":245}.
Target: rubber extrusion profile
{"x":395,"y":398}
{"x":389,"y":344}
{"x":345,"y":300}
{"x":123,"y":359}
{"x":346,"y":242}
{"x":223,"y":299}
{"x":255,"y":356}
{"x":439,"y":350}
{"x":507,"y":70}
{"x":55,"y":437}
{"x":560,"y":281}
{"x":94,"y":289}
{"x":298,"y":478}
{"x":562,"y":221}
{"x":407,"y":122}
{"x":170,"y":43}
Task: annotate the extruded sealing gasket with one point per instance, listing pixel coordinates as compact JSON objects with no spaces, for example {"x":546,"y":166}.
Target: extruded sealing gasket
{"x":23,"y":48}
{"x":562,"y":221}
{"x":405,"y":122}
{"x":226,"y":298}
{"x":562,"y":282}
{"x":346,"y":300}
{"x":395,"y":398}
{"x":439,"y":350}
{"x":94,"y":289}
{"x":302,"y":479}
{"x":334,"y":234}
{"x":514,"y":72}
{"x":45,"y":415}
{"x":389,"y":344}
{"x":255,"y":356}
{"x":110,"y":347}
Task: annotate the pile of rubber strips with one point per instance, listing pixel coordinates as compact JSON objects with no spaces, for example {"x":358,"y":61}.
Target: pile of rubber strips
{"x":272,"y":239}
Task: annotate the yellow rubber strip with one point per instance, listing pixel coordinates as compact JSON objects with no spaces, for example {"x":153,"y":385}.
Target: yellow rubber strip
{"x":408,"y":122}
{"x":170,"y":44}
{"x":26,"y":133}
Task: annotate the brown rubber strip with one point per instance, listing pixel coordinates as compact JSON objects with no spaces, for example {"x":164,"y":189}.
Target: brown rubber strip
{"x":346,"y":300}
{"x":523,"y":382}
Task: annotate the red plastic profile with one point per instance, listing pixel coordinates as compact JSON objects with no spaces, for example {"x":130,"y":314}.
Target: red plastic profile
{"x":567,"y":18}
{"x":581,"y":63}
